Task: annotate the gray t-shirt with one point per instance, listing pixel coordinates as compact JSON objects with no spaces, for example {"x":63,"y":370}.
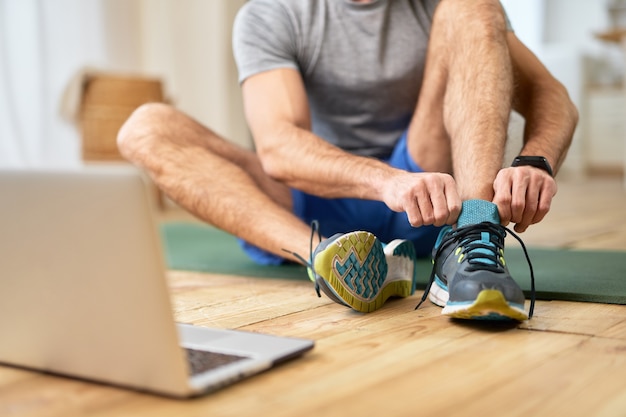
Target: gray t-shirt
{"x":362,"y":64}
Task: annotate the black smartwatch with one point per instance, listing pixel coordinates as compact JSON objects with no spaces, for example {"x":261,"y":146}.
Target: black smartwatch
{"x":533,"y":161}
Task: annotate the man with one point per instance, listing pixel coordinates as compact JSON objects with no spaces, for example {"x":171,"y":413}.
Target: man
{"x":380,"y":121}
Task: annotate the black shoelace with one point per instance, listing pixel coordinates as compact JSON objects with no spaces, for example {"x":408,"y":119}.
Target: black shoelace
{"x":481,"y":255}
{"x":315,"y":229}
{"x":320,"y":285}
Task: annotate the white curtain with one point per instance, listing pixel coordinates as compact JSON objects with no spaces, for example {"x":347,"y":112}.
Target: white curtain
{"x":21,"y":82}
{"x":189,"y":43}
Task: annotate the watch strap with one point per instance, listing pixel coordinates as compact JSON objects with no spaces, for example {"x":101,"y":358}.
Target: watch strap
{"x":533,"y":161}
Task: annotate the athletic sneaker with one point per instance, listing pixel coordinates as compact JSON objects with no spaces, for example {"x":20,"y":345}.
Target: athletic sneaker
{"x":356,"y":270}
{"x":470,"y":278}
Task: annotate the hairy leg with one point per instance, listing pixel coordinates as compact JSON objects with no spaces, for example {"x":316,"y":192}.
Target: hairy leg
{"x":461,"y":118}
{"x":217,"y":181}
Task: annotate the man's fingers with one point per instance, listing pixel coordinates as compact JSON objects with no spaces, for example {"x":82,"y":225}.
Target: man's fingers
{"x":518,"y":197}
{"x":453,"y":202}
{"x":544,"y":202}
{"x":523,"y":196}
{"x":502,"y":197}
{"x":414,"y":215}
{"x":530,"y":206}
{"x":432,"y":200}
{"x":444,"y":199}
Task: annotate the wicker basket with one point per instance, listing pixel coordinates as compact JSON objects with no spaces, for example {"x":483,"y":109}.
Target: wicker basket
{"x":107,"y":101}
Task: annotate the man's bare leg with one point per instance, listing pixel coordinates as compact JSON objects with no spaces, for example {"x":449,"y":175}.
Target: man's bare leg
{"x":461,"y":119}
{"x":215,"y":180}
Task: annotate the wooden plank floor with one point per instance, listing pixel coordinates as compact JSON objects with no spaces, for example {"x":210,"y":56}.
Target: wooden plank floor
{"x":569,"y":360}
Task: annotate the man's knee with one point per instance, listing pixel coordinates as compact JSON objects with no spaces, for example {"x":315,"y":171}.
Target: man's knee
{"x":140,"y":130}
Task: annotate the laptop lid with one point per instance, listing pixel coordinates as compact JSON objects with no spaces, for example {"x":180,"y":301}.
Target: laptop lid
{"x":83,"y":290}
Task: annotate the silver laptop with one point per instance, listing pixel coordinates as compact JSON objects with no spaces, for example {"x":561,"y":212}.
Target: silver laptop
{"x":83,"y":290}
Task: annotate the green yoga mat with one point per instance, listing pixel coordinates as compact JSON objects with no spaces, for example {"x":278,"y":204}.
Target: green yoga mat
{"x":573,"y":275}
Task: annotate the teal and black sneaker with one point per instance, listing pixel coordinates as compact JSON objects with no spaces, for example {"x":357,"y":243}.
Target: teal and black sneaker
{"x":356,"y":270}
{"x":470,"y":279}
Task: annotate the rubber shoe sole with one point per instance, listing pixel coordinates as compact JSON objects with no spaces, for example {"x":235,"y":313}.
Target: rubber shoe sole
{"x":489,"y":305}
{"x":364,"y":274}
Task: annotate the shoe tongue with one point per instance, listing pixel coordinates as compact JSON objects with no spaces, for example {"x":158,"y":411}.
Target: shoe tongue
{"x":478,"y":211}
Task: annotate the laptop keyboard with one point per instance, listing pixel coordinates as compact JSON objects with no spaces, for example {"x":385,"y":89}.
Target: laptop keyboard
{"x":202,"y":360}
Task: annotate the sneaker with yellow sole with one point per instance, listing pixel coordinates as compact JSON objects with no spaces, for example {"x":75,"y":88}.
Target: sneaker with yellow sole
{"x":470,"y":279}
{"x":357,"y":270}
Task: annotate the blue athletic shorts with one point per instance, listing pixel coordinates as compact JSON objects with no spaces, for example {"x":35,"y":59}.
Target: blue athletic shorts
{"x":343,"y":215}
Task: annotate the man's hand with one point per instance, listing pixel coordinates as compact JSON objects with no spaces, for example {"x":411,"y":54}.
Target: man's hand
{"x":523,"y":195}
{"x":427,"y":198}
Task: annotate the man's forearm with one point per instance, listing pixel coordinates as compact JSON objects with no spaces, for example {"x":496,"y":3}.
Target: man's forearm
{"x":308,"y":163}
{"x":551,"y":119}
{"x":550,"y":115}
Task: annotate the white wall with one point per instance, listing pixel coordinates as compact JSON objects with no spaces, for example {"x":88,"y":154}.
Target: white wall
{"x":527,"y":18}
{"x":188,"y":42}
{"x":575,"y":21}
